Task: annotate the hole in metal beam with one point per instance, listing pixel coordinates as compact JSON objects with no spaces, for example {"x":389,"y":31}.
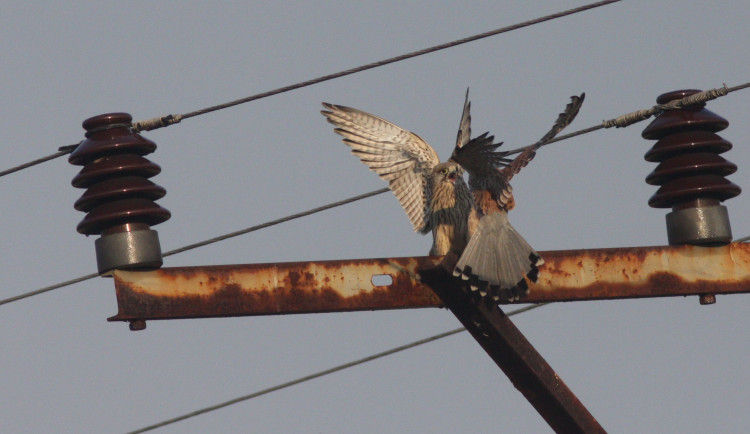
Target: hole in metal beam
{"x":382,"y":280}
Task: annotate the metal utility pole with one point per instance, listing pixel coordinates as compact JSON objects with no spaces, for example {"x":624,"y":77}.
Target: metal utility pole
{"x":350,"y":285}
{"x":513,"y":353}
{"x":699,"y":261}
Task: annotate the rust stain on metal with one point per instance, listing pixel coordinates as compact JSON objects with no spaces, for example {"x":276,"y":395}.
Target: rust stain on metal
{"x":233,"y":290}
{"x":513,"y":353}
{"x":642,"y":272}
{"x":346,"y":285}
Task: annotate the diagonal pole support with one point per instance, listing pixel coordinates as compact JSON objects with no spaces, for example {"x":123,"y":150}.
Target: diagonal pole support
{"x":513,"y":353}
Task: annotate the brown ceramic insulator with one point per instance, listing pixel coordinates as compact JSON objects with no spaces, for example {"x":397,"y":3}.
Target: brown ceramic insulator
{"x":693,"y":188}
{"x":687,"y":150}
{"x":115,"y":166}
{"x":116,"y":189}
{"x":109,"y":134}
{"x":115,"y":174}
{"x":690,"y":164}
{"x":110,"y":214}
{"x":694,"y":117}
{"x":687,"y":141}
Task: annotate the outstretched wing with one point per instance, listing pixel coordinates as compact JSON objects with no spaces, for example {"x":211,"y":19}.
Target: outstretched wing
{"x":398,"y":156}
{"x":476,"y":155}
{"x":464,"y":127}
{"x":479,"y":156}
{"x":563,"y":120}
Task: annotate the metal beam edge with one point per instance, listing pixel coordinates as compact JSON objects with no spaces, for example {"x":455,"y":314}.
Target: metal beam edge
{"x":350,"y":285}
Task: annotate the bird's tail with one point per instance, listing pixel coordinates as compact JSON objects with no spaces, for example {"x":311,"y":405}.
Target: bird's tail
{"x":498,"y":260}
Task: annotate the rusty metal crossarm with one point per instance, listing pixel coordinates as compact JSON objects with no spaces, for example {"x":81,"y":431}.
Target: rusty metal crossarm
{"x":266,"y":289}
{"x":347,"y":285}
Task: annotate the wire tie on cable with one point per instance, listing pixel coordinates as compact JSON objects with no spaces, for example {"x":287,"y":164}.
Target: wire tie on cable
{"x":628,"y":118}
{"x":157,"y":122}
{"x":640,"y":115}
{"x":697,"y":98}
{"x":69,"y":148}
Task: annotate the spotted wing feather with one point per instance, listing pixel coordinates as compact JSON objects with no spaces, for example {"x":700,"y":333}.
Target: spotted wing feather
{"x":398,"y":156}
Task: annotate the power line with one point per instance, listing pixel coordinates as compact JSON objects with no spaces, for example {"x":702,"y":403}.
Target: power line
{"x":64,"y":150}
{"x":209,"y":241}
{"x":48,"y":288}
{"x":629,"y":117}
{"x":319,"y":374}
{"x":640,"y":115}
{"x":619,"y":122}
{"x":332,"y":370}
{"x":164,"y":121}
{"x":276,"y":222}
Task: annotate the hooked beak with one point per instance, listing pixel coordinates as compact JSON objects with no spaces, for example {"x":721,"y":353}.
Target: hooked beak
{"x":453,"y":177}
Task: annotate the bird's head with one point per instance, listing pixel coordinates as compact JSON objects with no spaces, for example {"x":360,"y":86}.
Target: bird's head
{"x":447,"y":172}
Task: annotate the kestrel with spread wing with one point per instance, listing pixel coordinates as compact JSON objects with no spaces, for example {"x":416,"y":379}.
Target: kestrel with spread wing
{"x":497,"y":259}
{"x":433,"y":194}
{"x":473,"y":224}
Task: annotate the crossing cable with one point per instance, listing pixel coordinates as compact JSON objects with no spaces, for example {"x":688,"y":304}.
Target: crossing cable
{"x":275,"y":222}
{"x":619,"y":122}
{"x":641,"y":115}
{"x":63,"y":150}
{"x":334,"y":369}
{"x":207,"y":242}
{"x":48,"y":288}
{"x":171,"y":119}
{"x":320,"y":374}
{"x":164,"y":121}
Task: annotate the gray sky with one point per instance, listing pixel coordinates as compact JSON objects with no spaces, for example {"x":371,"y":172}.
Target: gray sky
{"x":658,"y":365}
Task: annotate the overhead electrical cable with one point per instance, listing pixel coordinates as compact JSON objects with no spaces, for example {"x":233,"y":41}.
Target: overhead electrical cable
{"x":619,"y":122}
{"x":64,"y":150}
{"x":171,"y":119}
{"x":628,"y":119}
{"x":319,"y":374}
{"x":163,"y":121}
{"x":206,"y":242}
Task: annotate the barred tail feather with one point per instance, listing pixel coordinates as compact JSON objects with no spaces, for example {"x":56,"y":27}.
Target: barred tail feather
{"x":498,"y":260}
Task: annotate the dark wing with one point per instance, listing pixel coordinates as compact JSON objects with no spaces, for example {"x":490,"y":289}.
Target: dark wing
{"x":479,"y":156}
{"x":464,"y":127}
{"x":563,"y":120}
{"x":398,"y":156}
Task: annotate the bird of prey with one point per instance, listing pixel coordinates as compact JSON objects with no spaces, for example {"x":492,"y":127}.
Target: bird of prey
{"x":497,"y":259}
{"x":472,"y":224}
{"x":433,"y":194}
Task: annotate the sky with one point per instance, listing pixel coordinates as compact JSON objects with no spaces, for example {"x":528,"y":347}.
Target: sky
{"x":649,"y":365}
